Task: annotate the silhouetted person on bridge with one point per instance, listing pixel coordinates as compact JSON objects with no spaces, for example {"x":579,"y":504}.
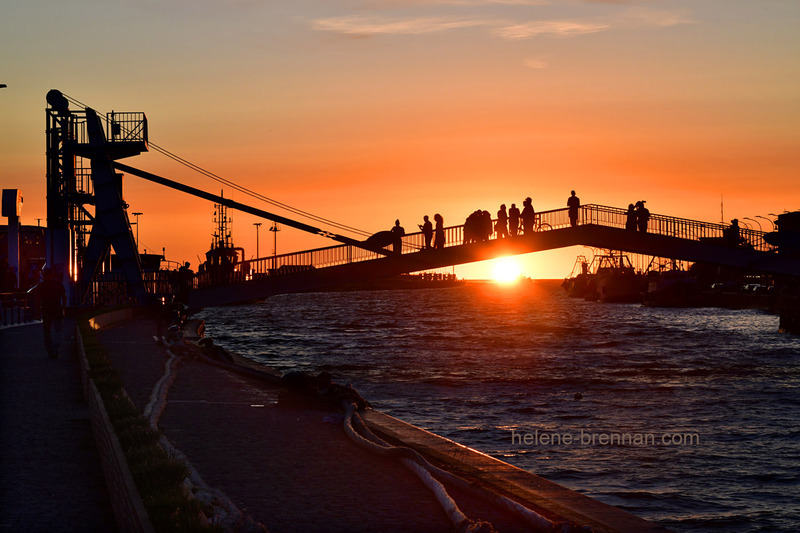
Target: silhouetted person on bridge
{"x":52,"y":299}
{"x":427,"y":231}
{"x":501,"y":227}
{"x":642,"y":216}
{"x":469,"y":224}
{"x":472,"y":227}
{"x":528,"y":216}
{"x":438,"y":235}
{"x":630,"y":222}
{"x":732,"y":233}
{"x":397,"y":234}
{"x":573,"y":203}
{"x":513,"y":220}
{"x":486,"y":228}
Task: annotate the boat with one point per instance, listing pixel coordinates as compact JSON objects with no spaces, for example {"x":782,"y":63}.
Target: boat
{"x":609,"y":278}
{"x":577,"y":284}
{"x":224,"y":261}
{"x":672,"y":288}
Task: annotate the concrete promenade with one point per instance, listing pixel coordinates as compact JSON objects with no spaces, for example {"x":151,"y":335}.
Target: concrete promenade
{"x":285,"y":464}
{"x":50,"y":474}
{"x":288,"y":466}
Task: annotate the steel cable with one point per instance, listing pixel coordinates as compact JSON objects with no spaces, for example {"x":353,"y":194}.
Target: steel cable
{"x":237,"y":187}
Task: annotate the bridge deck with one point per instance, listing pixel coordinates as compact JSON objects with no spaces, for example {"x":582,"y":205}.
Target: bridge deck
{"x":599,"y":226}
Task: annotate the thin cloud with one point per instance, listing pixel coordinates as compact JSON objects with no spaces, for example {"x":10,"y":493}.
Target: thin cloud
{"x":562,"y":28}
{"x":367,"y":26}
{"x":374,"y":25}
{"x":406,"y":3}
{"x":653,"y":17}
{"x":495,"y":2}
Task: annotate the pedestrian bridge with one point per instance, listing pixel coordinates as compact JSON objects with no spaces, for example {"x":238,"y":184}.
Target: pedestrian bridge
{"x":598,"y":226}
{"x":83,"y":152}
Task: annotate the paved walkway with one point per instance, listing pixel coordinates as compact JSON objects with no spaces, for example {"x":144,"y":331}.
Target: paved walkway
{"x":289,"y":467}
{"x":50,"y":474}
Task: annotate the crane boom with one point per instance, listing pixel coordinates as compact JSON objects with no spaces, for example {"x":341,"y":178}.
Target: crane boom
{"x":243,"y":207}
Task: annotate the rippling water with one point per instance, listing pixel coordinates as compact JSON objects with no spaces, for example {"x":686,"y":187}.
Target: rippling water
{"x":708,"y":399}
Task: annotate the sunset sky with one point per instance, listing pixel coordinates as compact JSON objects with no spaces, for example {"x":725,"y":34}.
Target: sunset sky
{"x":367,"y":111}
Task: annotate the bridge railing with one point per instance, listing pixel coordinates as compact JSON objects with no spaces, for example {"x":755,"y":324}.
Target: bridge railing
{"x":674,"y":226}
{"x":454,"y":235}
{"x":17,"y":308}
{"x":111,"y":288}
{"x":344,"y":254}
{"x":277,"y":265}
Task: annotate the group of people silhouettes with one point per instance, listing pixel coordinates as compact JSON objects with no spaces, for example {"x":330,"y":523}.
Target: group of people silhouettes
{"x":509,"y":223}
{"x":515,"y":222}
{"x":637,"y":217}
{"x":479,"y":226}
{"x":434,"y":237}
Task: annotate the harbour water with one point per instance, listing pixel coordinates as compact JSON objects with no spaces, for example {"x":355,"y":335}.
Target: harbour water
{"x":687,"y":417}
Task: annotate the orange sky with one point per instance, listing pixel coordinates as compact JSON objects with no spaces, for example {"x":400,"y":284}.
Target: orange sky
{"x":366,"y":111}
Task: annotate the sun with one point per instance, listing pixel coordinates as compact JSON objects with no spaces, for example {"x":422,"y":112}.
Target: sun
{"x":506,"y":270}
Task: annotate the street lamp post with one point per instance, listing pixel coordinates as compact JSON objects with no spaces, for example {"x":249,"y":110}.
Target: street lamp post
{"x":275,"y":229}
{"x":137,"y":229}
{"x":768,"y":220}
{"x":756,"y":221}
{"x":257,"y":225}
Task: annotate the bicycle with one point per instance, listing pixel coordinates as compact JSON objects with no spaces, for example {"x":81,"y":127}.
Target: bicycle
{"x":538,"y":226}
{"x":541,"y":226}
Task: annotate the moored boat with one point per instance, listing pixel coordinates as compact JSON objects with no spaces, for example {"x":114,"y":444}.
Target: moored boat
{"x":609,"y":278}
{"x":672,"y":288}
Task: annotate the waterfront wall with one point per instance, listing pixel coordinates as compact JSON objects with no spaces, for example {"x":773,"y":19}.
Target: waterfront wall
{"x":129,"y":511}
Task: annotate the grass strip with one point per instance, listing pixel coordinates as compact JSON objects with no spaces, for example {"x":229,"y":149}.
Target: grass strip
{"x":159,"y":477}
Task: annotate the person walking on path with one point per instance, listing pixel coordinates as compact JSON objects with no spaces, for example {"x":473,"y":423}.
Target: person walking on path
{"x":573,"y":203}
{"x":513,"y":220}
{"x":397,"y":237}
{"x":438,"y":236}
{"x":427,"y":231}
{"x":52,"y":298}
{"x":185,"y":282}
